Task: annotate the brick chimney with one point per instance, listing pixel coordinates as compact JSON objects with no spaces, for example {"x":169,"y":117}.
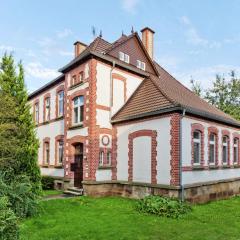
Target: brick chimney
{"x":147,"y":39}
{"x":79,"y":48}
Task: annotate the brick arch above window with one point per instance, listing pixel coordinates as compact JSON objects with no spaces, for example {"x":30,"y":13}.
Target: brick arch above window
{"x":198,"y":127}
{"x":143,"y":133}
{"x":215,"y":131}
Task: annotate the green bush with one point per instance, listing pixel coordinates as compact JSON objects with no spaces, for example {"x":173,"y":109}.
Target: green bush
{"x":23,"y":201}
{"x":8,"y":221}
{"x":47,"y":183}
{"x":163,"y":206}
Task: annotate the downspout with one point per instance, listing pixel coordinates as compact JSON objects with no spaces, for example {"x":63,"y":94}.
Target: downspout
{"x":111,"y":91}
{"x":181,"y":157}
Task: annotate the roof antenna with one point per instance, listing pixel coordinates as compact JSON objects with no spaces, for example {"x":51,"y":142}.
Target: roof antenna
{"x":100,"y":35}
{"x":132,"y":31}
{"x":122,"y":33}
{"x":93,"y":31}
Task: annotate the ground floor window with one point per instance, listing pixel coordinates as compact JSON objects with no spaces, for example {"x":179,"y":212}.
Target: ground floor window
{"x":60,"y":152}
{"x":47,"y":153}
{"x":235,"y":150}
{"x":225,"y":146}
{"x":197,"y":135}
{"x":212,"y":148}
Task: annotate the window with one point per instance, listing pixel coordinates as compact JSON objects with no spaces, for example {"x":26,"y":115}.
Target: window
{"x":236,"y":150}
{"x":109,"y":157}
{"x":60,"y":103}
{"x":60,"y":152}
{"x":101,"y":157}
{"x":141,"y":65}
{"x":47,"y":109}
{"x":78,"y":109}
{"x":124,"y":57}
{"x":80,"y":76}
{"x":36,"y":116}
{"x":74,"y":80}
{"x":47,"y":153}
{"x":197,"y":147}
{"x":225,"y":149}
{"x":212,"y":148}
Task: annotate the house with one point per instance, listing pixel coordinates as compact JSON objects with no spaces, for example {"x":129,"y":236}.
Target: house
{"x":116,"y":123}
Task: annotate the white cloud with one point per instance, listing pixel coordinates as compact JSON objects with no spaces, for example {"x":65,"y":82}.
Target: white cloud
{"x":194,"y":37}
{"x":7,"y":48}
{"x":65,"y":53}
{"x":130,"y":5}
{"x":37,"y":70}
{"x":64,"y":33}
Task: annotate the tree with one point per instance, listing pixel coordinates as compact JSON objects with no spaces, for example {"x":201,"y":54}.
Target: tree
{"x":196,"y":87}
{"x":225,"y":94}
{"x":18,"y":123}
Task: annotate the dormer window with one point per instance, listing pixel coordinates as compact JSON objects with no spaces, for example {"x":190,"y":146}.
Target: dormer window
{"x":141,"y":65}
{"x":124,"y":57}
{"x":81,"y":77}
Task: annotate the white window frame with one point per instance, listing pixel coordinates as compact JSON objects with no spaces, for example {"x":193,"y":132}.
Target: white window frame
{"x":47,"y":152}
{"x":47,"y":109}
{"x":124,"y":57}
{"x":225,"y":145}
{"x":198,"y":141}
{"x":36,"y":108}
{"x":60,"y":151}
{"x":60,"y":102}
{"x":236,"y":146}
{"x":109,"y":159}
{"x":141,"y":65}
{"x":101,"y":158}
{"x":213,"y":143}
{"x":121,"y":56}
{"x":77,"y":105}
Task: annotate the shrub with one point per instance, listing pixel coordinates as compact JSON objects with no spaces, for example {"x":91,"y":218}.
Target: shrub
{"x":8,"y":221}
{"x":163,"y":206}
{"x":47,"y":183}
{"x":23,"y":201}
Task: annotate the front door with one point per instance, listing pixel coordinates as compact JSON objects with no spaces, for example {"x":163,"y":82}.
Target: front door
{"x":78,"y":160}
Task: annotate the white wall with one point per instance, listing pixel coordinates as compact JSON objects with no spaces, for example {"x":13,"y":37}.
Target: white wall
{"x":103,"y":175}
{"x":54,"y":172}
{"x":162,"y":126}
{"x":205,"y":175}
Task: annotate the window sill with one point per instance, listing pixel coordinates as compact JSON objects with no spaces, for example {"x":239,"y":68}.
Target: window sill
{"x":197,"y":167}
{"x":46,"y":122}
{"x":213,"y":167}
{"x":104,"y":167}
{"x":76,"y":85}
{"x":45,"y":166}
{"x":236,"y":166}
{"x":58,"y":166}
{"x":226,"y":166}
{"x":76,"y":126}
{"x":59,"y":118}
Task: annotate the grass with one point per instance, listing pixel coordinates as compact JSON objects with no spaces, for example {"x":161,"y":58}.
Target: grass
{"x":115,"y":218}
{"x":51,"y":193}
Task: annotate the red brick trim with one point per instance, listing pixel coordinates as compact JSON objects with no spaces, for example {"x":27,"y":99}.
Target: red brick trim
{"x":71,"y":97}
{"x":58,"y":90}
{"x":141,"y":133}
{"x":213,"y":130}
{"x":57,"y":139}
{"x":36,"y":101}
{"x":102,"y":107}
{"x":226,"y":132}
{"x":116,"y":76}
{"x":46,"y":140}
{"x":175,"y":149}
{"x":198,"y":127}
{"x":236,"y":135}
{"x":47,"y":95}
{"x":105,"y":131}
{"x":114,"y":153}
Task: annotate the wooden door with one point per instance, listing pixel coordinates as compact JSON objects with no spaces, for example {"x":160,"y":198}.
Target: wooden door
{"x":78,"y":160}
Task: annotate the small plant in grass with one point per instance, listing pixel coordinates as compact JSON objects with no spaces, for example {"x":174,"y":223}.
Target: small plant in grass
{"x":163,"y":206}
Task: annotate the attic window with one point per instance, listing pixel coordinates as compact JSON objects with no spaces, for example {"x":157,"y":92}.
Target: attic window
{"x":141,"y":65}
{"x":124,"y":57}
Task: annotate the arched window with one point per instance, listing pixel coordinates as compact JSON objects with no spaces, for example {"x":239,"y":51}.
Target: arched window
{"x":225,"y":150}
{"x":212,"y":149}
{"x":235,"y":150}
{"x":197,"y":135}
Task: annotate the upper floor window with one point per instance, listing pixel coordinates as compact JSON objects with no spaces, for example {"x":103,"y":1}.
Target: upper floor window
{"x":36,"y":113}
{"x":60,"y":103}
{"x":236,"y":150}
{"x":46,"y":153}
{"x":141,"y":65}
{"x":81,"y":76}
{"x":47,"y":109}
{"x":197,"y":135}
{"x":60,"y":151}
{"x":78,"y":109}
{"x":124,"y":57}
{"x":74,"y":79}
{"x":212,"y":148}
{"x":225,"y":149}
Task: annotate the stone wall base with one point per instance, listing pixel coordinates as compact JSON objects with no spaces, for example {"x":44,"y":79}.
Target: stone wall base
{"x":195,"y":193}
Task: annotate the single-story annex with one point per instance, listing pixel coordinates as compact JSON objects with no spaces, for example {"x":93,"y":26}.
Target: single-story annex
{"x":116,"y":123}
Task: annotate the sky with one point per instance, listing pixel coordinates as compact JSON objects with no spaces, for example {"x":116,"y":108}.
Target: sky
{"x":193,"y":39}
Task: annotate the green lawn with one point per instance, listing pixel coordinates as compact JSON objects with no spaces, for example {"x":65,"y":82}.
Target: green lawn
{"x":115,"y":218}
{"x":51,"y":193}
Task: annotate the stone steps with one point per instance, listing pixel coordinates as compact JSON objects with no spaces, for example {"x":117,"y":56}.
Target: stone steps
{"x":74,"y":191}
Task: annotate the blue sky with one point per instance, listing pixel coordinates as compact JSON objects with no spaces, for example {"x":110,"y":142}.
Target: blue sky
{"x":193,"y":38}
